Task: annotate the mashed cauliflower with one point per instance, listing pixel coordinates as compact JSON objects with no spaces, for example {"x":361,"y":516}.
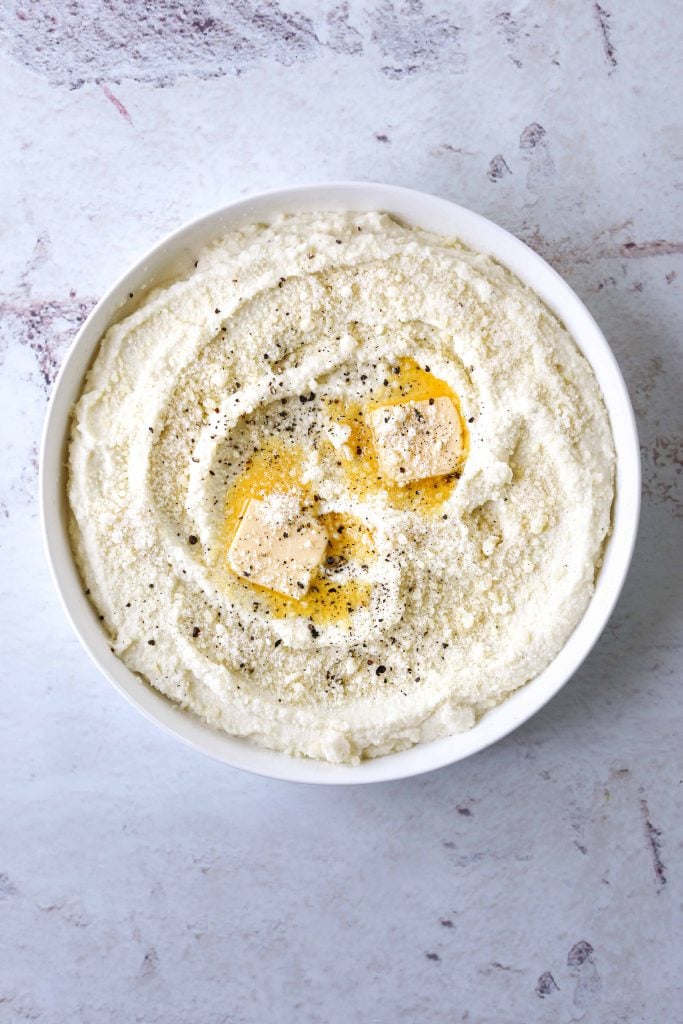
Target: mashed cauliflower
{"x":257,"y":375}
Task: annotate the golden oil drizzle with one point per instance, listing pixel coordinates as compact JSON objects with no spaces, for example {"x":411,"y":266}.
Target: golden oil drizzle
{"x":412,"y":383}
{"x":277,"y":468}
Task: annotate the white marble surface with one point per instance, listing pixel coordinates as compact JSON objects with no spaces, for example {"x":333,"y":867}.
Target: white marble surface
{"x":539,"y":882}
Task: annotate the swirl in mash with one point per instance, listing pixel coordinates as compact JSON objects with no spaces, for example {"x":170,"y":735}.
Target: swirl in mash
{"x":256,"y":375}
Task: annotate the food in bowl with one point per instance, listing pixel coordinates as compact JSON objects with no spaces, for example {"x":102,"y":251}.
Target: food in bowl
{"x":343,"y":488}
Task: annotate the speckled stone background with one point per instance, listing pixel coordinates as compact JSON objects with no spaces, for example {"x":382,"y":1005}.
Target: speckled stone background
{"x":540,"y":881}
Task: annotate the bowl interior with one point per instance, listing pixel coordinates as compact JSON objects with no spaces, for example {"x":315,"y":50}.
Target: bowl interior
{"x":173,"y":258}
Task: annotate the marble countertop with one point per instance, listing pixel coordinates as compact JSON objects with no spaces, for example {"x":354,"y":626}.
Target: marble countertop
{"x":540,"y":881}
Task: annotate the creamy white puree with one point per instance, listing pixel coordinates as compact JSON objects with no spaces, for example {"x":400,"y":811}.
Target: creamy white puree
{"x":466,"y":602}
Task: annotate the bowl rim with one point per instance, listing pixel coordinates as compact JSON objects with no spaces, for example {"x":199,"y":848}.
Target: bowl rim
{"x":415,"y":207}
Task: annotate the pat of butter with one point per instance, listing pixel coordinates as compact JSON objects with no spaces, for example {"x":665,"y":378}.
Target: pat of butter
{"x":415,"y":440}
{"x":277,"y":545}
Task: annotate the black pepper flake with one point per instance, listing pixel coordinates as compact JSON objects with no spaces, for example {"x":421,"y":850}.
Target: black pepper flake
{"x":380,"y":670}
{"x":431,"y":401}
{"x":192,"y":539}
{"x":277,"y":642}
{"x":216,"y":310}
{"x":151,"y":643}
{"x":313,"y":631}
{"x":471,"y":419}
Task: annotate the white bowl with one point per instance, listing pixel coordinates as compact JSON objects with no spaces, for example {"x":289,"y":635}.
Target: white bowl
{"x":173,"y":257}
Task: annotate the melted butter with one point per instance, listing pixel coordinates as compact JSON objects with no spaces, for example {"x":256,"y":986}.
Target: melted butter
{"x":277,"y":467}
{"x":349,"y":539}
{"x":326,"y":602}
{"x":412,"y":384}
